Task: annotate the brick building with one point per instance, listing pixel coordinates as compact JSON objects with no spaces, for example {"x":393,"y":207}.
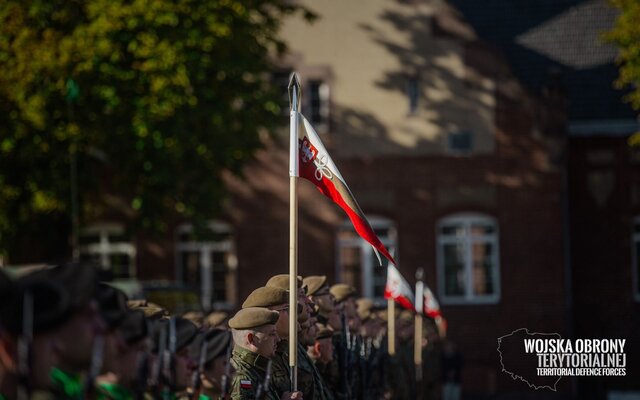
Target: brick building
{"x":485,"y":144}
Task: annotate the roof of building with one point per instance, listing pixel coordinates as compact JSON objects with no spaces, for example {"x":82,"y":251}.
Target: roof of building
{"x":546,"y":38}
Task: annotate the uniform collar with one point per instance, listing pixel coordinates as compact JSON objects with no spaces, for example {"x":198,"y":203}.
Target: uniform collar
{"x":252,"y":358}
{"x":283,"y":346}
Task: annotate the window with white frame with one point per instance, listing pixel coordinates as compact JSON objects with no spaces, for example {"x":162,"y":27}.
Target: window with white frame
{"x":357,"y":263}
{"x":108,"y":245}
{"x":207,"y":263}
{"x":635,"y":239}
{"x":468,"y":259}
{"x":318,"y":104}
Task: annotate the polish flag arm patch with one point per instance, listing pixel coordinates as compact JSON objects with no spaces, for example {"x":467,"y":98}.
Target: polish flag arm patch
{"x":245,"y":384}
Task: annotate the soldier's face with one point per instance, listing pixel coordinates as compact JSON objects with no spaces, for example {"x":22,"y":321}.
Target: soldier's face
{"x":74,"y":339}
{"x":282,"y":325}
{"x":185,"y":365}
{"x":212,"y":376}
{"x":325,"y":350}
{"x":265,"y":340}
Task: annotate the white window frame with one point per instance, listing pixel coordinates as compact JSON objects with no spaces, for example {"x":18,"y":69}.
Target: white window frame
{"x":205,"y":249}
{"x":105,"y":248}
{"x":635,"y":238}
{"x":324,"y":94}
{"x":366,"y":251}
{"x":466,"y":220}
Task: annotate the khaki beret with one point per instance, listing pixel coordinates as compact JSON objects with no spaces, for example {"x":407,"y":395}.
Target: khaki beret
{"x":197,"y":317}
{"x":152,"y":312}
{"x":253,"y":317}
{"x":342,"y":291}
{"x":406,"y":316}
{"x":267,"y":296}
{"x":364,"y":308}
{"x":216,"y":318}
{"x":316,"y":285}
{"x":282,"y":281}
{"x":383,"y":315}
{"x":324,"y":332}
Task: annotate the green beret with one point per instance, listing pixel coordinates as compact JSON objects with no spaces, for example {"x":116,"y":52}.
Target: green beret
{"x":51,"y":304}
{"x":364,"y":308}
{"x":214,"y":343}
{"x":185,"y":332}
{"x":216,"y":318}
{"x":324,"y":332}
{"x":267,"y":296}
{"x":134,"y":327}
{"x":282,"y":281}
{"x":316,"y":285}
{"x":342,"y":291}
{"x":253,"y":317}
{"x":113,"y":304}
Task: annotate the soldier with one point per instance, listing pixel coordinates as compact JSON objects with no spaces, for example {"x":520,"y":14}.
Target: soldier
{"x":171,"y":345}
{"x":197,"y":317}
{"x":255,"y":338}
{"x":217,"y":319}
{"x":282,"y":281}
{"x":309,"y":379}
{"x":212,"y":350}
{"x":127,"y":376}
{"x":318,"y":292}
{"x":343,"y":369}
{"x":276,"y":299}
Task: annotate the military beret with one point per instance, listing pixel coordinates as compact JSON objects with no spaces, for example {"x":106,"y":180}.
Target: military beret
{"x":80,"y":281}
{"x":324,"y":332}
{"x":151,"y":311}
{"x":197,"y":317}
{"x":406,"y":316}
{"x":364,"y":308}
{"x":113,"y":304}
{"x":282,"y":281}
{"x":185,"y":332}
{"x":216,"y":342}
{"x":316,"y":285}
{"x":51,"y":305}
{"x":383,"y":315}
{"x":134,"y":326}
{"x":253,"y":317}
{"x":342,"y":291}
{"x":216,"y":318}
{"x":267,"y":296}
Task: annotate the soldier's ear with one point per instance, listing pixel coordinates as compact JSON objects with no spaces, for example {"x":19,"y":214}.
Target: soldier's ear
{"x":316,"y":348}
{"x":251,"y":337}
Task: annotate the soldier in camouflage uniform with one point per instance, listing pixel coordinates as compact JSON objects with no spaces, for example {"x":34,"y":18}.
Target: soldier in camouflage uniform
{"x":255,"y":338}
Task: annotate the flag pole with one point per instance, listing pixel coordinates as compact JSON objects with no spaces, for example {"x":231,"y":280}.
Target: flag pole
{"x":294,"y":102}
{"x":417,"y":337}
{"x":391,"y":317}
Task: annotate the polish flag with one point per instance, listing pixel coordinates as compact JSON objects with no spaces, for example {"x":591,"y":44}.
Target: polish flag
{"x":398,"y":289}
{"x":316,"y":166}
{"x":431,"y":306}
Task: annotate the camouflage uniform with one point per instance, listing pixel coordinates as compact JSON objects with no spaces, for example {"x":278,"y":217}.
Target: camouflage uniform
{"x":309,"y":380}
{"x":280,"y":378}
{"x":251,"y":369}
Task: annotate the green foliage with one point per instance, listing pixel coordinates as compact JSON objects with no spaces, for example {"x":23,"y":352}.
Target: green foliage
{"x":626,"y":35}
{"x":155,"y":99}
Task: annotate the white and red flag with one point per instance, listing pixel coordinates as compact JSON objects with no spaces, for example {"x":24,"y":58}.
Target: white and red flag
{"x":398,"y":289}
{"x":316,"y":166}
{"x":431,"y":305}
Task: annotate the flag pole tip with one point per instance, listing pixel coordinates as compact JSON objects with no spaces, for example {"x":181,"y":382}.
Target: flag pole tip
{"x":294,"y":86}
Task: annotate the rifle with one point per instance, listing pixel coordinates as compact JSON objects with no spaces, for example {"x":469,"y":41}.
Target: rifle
{"x":196,"y":381}
{"x":169,"y":362}
{"x":158,"y":367}
{"x":97,"y":354}
{"x":343,"y":354}
{"x":25,"y":341}
{"x":263,"y":387}
{"x":224,"y":385}
{"x":141,"y":377}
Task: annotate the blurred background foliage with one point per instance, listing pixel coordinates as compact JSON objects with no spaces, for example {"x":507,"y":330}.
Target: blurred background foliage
{"x":151,"y":99}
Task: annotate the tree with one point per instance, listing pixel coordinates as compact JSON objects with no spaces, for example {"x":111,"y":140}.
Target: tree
{"x":626,"y":35}
{"x":148,"y":100}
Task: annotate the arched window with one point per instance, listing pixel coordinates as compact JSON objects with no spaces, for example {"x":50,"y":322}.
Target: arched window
{"x":108,"y":245}
{"x":357,"y":263}
{"x":468,"y":259}
{"x":208,"y":263}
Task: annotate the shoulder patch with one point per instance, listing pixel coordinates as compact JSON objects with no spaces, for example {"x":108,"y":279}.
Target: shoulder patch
{"x":245,"y":384}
